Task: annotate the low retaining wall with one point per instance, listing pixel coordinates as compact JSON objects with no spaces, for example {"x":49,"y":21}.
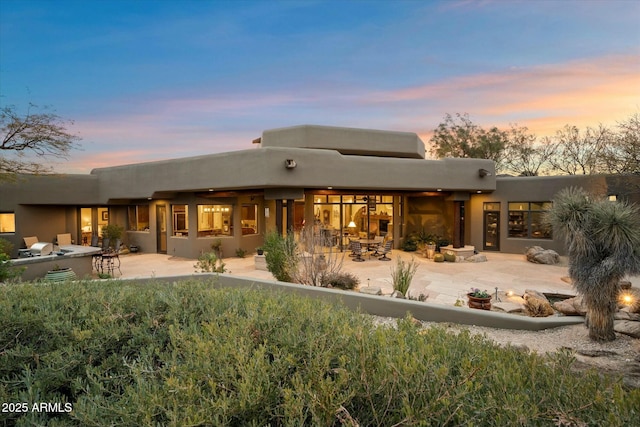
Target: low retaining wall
{"x":388,"y":307}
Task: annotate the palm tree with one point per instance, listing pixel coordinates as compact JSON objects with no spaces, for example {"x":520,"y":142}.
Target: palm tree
{"x":603,"y":245}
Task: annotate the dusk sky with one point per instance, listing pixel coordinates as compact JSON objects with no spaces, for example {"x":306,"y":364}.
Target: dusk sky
{"x":151,"y":80}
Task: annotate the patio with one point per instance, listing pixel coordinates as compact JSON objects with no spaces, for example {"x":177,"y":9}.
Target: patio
{"x":444,"y":283}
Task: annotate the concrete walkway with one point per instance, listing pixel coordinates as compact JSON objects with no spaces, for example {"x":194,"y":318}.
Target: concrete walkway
{"x":444,"y":283}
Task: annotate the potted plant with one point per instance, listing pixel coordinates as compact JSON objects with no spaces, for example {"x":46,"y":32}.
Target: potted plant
{"x":59,"y":274}
{"x":259,"y":251}
{"x":479,"y":299}
{"x":113,"y":232}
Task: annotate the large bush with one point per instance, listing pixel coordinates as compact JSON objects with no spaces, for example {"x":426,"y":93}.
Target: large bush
{"x":187,"y":354}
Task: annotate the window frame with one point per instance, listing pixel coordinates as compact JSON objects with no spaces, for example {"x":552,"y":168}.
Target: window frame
{"x":529,"y":216}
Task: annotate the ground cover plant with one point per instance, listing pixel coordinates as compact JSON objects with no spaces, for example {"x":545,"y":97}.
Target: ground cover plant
{"x":189,"y":354}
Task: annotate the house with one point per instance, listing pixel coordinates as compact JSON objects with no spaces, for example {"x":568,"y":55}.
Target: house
{"x":343,"y":182}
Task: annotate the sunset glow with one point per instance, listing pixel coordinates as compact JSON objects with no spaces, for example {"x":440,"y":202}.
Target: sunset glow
{"x":145,"y":81}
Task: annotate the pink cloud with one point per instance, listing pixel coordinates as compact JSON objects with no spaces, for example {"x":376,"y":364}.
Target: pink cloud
{"x":543,"y":98}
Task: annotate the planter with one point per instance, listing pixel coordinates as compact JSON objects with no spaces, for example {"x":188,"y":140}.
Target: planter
{"x":133,"y":249}
{"x":61,"y":275}
{"x":480,"y":303}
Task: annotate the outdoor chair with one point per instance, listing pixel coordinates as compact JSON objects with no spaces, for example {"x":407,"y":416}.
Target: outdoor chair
{"x":384,"y":250}
{"x":30,"y":241}
{"x":64,"y":239}
{"x":358,"y":251}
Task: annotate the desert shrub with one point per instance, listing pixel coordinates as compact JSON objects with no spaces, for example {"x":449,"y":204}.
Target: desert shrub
{"x":342,"y":280}
{"x":402,"y":274}
{"x":409,"y":244}
{"x":7,"y":271}
{"x":6,"y":247}
{"x":281,"y":256}
{"x":241,"y":253}
{"x":189,"y":354}
{"x":209,"y":262}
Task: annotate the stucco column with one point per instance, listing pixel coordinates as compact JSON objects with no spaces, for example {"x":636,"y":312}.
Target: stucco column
{"x":290,"y":212}
{"x":458,"y":224}
{"x":279,"y":216}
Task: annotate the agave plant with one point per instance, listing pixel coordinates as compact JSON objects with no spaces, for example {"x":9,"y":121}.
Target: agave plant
{"x":603,"y":245}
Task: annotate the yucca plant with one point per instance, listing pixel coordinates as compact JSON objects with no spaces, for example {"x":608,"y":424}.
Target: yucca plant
{"x":603,"y":245}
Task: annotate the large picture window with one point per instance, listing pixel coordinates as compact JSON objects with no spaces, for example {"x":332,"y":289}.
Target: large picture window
{"x":180,"y":220}
{"x":215,"y":220}
{"x":7,"y":223}
{"x":139,"y":218}
{"x":526,"y":220}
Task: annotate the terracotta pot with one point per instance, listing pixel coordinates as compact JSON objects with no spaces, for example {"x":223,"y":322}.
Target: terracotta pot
{"x":480,"y":303}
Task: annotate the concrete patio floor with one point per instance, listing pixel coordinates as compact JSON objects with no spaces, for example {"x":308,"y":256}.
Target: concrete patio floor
{"x":444,"y":283}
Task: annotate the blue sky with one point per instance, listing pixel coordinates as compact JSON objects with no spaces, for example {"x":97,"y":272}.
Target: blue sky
{"x":150,"y":80}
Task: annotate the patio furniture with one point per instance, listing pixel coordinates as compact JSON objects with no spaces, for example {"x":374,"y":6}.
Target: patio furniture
{"x":358,"y":251}
{"x":384,"y":250}
{"x":64,"y":239}
{"x":28,"y":242}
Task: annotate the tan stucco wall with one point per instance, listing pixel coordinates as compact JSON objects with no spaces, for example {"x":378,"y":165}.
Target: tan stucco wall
{"x":365,"y":142}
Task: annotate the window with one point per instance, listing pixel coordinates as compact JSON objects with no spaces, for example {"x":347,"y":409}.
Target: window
{"x":526,"y":220}
{"x":215,"y":220}
{"x":7,"y":223}
{"x":249,"y":219}
{"x":139,"y":218}
{"x":180,"y":220}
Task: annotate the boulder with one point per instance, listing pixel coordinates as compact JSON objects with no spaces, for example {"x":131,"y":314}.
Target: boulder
{"x":532,"y":293}
{"x":476,"y":258}
{"x":508,"y":307}
{"x":566,"y":307}
{"x":398,"y":294}
{"x":626,"y":315}
{"x":539,"y":255}
{"x":627,"y":327}
{"x":370,"y":290}
{"x":537,"y":307}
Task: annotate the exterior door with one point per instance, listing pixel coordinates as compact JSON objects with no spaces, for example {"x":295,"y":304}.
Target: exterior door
{"x":161,"y":227}
{"x":491,"y":231}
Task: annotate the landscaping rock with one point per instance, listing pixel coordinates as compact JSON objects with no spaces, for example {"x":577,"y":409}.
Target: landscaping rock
{"x":398,"y":294}
{"x":566,"y":307}
{"x":566,"y":279}
{"x":626,"y":315}
{"x":539,"y":255}
{"x":624,"y":284}
{"x":477,"y":258}
{"x":532,"y":293}
{"x":537,"y":307}
{"x":627,"y":327}
{"x":370,"y":290}
{"x":508,"y":307}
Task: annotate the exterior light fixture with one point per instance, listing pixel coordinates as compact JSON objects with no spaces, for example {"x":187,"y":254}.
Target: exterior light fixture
{"x":290,"y":164}
{"x":613,"y":198}
{"x":483,"y":172}
{"x":626,"y":299}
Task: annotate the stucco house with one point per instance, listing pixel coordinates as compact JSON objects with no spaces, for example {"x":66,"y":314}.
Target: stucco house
{"x":344,"y":182}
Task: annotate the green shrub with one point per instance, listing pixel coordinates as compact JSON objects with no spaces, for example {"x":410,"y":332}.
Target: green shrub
{"x":6,"y":247}
{"x":241,"y":253}
{"x":281,"y":255}
{"x":7,"y":271}
{"x":341,"y":280}
{"x":409,"y":245}
{"x":189,"y":354}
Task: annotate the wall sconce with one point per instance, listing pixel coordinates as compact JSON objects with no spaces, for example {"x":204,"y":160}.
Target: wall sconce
{"x":290,"y":164}
{"x":483,"y":172}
